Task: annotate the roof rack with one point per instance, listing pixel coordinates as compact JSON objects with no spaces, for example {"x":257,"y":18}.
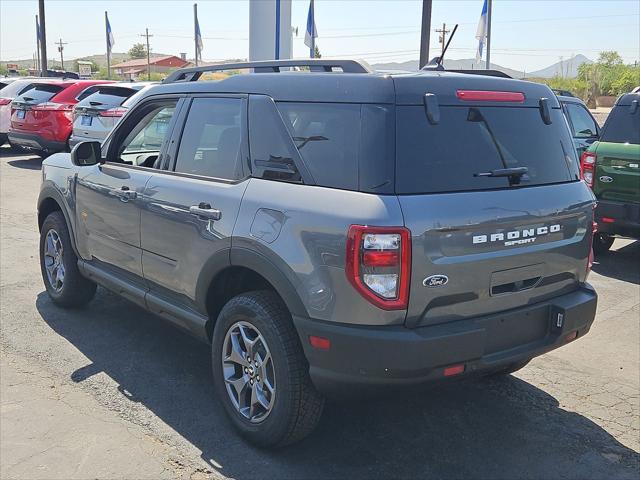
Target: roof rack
{"x":192,"y":74}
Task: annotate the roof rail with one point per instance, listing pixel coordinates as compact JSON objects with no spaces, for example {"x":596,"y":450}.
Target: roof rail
{"x":192,"y":74}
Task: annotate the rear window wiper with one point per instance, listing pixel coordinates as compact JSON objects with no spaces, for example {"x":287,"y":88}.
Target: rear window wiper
{"x":515,"y":174}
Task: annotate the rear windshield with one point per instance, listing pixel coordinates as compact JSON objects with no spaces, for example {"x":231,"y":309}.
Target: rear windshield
{"x":39,"y":93}
{"x":622,"y":126}
{"x":467,"y":141}
{"x":98,"y":96}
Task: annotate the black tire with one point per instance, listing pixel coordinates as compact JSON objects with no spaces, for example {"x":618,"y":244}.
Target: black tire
{"x":297,"y":405}
{"x":602,"y":243}
{"x":75,"y":290}
{"x":509,"y":369}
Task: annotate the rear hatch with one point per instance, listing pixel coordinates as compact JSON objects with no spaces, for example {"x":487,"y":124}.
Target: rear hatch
{"x":23,"y":115}
{"x":481,"y":242}
{"x":97,"y":113}
{"x":617,"y":168}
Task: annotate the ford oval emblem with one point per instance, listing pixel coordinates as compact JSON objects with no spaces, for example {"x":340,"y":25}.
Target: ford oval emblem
{"x":606,"y":179}
{"x":435,"y":281}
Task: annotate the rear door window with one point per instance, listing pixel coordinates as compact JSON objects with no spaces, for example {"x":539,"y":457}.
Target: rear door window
{"x":39,"y":94}
{"x":622,"y":126}
{"x":211,"y":139}
{"x":468,"y":141}
{"x":583,"y":124}
{"x":112,"y":96}
{"x":327,"y":136}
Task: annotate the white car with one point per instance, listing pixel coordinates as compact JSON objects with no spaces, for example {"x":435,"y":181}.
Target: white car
{"x":99,"y":108}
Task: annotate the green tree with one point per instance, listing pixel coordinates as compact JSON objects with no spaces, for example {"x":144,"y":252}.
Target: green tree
{"x":316,"y":53}
{"x":139,"y":50}
{"x":609,"y":58}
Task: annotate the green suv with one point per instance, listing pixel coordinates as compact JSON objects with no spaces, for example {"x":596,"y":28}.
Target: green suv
{"x":611,"y":167}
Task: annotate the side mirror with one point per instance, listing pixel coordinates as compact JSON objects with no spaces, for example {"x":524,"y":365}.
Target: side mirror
{"x":86,"y":153}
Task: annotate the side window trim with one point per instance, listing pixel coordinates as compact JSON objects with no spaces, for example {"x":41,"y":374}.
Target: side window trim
{"x":117,"y":135}
{"x":169,"y":166}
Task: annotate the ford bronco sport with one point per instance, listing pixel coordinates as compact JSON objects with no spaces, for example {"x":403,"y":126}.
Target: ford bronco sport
{"x":331,"y":229}
{"x":611,"y":167}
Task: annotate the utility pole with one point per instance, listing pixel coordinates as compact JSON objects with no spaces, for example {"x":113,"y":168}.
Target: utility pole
{"x":146,"y":34}
{"x":443,"y":37}
{"x":43,"y":40}
{"x":425,"y":33}
{"x":60,"y":49}
{"x":488,"y":64}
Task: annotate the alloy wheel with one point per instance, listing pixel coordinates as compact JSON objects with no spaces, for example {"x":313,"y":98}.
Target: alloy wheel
{"x":53,"y":260}
{"x":248,"y":371}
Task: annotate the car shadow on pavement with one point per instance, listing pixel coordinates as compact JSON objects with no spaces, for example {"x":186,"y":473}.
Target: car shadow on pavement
{"x":622,"y":264}
{"x":499,"y":428}
{"x":30,"y":163}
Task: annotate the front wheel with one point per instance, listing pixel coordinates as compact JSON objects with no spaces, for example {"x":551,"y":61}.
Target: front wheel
{"x":602,"y":243}
{"x":260,"y":373}
{"x":59,"y":265}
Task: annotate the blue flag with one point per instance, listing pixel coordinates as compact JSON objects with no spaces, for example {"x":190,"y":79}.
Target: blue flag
{"x":38,"y":30}
{"x":110,"y":41}
{"x":198,"y":39}
{"x":481,"y":32}
{"x":311,"y":34}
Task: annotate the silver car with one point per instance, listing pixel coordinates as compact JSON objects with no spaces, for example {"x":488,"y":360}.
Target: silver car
{"x":99,"y":108}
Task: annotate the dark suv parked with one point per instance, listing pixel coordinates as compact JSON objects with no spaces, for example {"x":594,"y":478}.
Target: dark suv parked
{"x":331,"y":229}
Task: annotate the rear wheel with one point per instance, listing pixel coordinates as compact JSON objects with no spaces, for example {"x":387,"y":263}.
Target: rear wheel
{"x":260,"y":372}
{"x":59,"y":265}
{"x":602,"y":243}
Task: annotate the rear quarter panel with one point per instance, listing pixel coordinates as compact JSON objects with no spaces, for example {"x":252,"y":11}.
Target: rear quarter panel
{"x":302,"y":231}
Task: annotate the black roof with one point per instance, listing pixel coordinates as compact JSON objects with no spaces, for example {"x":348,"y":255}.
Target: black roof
{"x":344,"y":87}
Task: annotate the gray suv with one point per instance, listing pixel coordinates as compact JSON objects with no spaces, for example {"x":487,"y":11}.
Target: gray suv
{"x":331,"y":229}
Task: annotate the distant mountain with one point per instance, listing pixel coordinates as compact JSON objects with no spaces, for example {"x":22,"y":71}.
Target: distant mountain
{"x":449,"y":64}
{"x":566,"y":68}
{"x":569,"y":67}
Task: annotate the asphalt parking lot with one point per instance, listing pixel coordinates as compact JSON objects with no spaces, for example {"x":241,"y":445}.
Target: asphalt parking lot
{"x":113,"y":392}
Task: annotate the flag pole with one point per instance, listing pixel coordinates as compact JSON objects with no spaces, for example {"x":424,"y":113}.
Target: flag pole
{"x":37,"y":43}
{"x":488,"y":64}
{"x":106,"y":31}
{"x":195,"y":29}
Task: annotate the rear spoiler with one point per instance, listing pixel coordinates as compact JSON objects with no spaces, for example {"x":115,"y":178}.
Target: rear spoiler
{"x":488,"y":73}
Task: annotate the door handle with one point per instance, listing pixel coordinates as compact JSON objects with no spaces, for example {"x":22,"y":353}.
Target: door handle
{"x":204,"y":211}
{"x":125,"y":194}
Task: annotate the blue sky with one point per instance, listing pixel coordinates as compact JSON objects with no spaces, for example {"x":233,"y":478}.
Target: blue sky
{"x":527,"y":34}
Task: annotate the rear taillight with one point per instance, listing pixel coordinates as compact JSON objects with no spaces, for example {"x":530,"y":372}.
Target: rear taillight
{"x":587,"y":167}
{"x":113,"y":112}
{"x":5,"y":101}
{"x":489,"y":96}
{"x":378,"y":264}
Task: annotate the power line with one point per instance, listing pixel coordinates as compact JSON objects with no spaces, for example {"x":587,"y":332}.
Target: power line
{"x":60,"y":45}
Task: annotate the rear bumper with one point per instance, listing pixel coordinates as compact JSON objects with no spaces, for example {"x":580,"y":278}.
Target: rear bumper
{"x":33,"y":141}
{"x":395,"y":355}
{"x":626,"y":218}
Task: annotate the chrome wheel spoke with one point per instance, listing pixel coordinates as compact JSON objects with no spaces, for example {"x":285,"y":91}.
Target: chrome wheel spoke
{"x":248,"y":371}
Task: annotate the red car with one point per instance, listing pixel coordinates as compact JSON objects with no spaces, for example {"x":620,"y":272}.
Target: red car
{"x":42,"y":117}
